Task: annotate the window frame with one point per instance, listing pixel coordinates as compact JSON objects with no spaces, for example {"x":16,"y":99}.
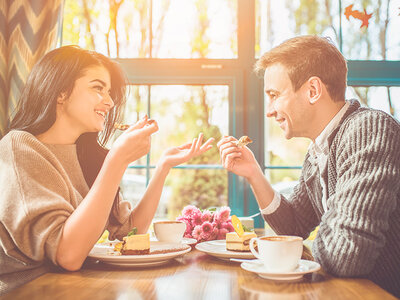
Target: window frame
{"x":246,"y":96}
{"x":243,"y":85}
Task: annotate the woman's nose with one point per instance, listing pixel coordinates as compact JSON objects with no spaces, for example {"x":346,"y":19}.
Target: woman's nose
{"x":107,"y":99}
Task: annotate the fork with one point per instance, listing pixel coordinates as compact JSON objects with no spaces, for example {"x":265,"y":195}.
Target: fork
{"x":255,"y":215}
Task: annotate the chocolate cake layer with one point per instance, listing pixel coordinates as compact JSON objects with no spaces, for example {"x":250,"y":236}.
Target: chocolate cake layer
{"x":135,"y":252}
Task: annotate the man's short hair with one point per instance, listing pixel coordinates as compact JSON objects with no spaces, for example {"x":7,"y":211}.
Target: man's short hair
{"x":307,"y":56}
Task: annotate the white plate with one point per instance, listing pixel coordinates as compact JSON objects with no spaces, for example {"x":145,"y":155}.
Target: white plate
{"x":189,"y":241}
{"x":105,"y":253}
{"x":217,"y":248}
{"x":186,"y":241}
{"x":304,"y":267}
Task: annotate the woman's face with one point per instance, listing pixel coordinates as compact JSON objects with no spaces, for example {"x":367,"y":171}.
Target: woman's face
{"x":85,"y":110}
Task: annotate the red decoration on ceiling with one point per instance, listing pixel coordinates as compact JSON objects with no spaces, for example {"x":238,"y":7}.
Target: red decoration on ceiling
{"x":356,"y":14}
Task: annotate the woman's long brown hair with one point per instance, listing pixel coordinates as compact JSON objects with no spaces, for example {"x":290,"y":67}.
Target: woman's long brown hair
{"x":55,"y":74}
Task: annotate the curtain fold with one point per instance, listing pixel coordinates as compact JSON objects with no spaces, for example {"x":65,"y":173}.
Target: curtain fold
{"x":28,"y":30}
{"x":3,"y":66}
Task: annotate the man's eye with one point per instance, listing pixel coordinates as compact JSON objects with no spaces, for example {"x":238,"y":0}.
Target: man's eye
{"x":98,"y":88}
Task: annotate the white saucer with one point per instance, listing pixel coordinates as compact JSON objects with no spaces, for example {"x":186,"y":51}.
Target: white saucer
{"x":304,"y":267}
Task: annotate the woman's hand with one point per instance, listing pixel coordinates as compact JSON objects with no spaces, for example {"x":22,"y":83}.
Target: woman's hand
{"x":135,"y":141}
{"x":177,"y":155}
{"x":239,"y":160}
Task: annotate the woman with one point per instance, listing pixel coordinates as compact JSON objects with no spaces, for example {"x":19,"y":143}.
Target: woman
{"x":60,"y":186}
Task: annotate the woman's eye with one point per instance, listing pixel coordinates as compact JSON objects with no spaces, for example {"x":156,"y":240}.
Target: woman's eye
{"x":98,"y":88}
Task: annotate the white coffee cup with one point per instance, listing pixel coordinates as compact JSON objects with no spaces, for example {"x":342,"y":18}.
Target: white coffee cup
{"x":169,"y":231}
{"x":279,"y":254}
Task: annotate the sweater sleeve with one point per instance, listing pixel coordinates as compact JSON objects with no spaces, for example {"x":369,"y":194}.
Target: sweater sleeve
{"x":294,"y":216}
{"x":33,"y":201}
{"x":352,"y":231}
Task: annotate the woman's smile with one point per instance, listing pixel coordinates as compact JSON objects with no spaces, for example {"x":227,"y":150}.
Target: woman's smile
{"x":101,"y":113}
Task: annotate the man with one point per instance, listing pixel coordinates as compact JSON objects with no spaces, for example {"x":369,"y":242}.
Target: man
{"x":349,"y":185}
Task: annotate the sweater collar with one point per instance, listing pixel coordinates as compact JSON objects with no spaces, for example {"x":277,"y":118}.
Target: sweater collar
{"x":354,"y":106}
{"x":321,"y":145}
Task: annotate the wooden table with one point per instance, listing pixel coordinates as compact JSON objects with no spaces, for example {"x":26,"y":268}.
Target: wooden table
{"x":193,"y":276}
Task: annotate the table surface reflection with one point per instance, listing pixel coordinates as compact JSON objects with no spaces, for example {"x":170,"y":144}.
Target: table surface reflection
{"x":193,"y":276}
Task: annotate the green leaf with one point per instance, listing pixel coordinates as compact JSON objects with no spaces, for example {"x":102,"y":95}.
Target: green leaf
{"x":133,"y":231}
{"x":246,"y":229}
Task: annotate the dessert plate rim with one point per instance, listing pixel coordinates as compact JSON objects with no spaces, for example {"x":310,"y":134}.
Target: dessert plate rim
{"x":105,"y":252}
{"x":217,"y":248}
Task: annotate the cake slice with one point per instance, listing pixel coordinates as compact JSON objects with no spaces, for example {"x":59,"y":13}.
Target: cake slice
{"x":234,"y":242}
{"x":136,"y":244}
{"x":243,"y":141}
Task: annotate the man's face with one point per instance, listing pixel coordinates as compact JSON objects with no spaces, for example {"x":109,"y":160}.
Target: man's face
{"x":289,"y":108}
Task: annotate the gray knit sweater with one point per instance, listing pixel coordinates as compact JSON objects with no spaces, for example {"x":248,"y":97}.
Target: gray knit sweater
{"x":359,"y":233}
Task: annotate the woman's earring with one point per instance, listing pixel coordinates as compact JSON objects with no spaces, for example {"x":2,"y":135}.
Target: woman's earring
{"x":61,"y":99}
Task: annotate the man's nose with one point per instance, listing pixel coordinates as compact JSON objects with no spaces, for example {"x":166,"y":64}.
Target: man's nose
{"x":269,"y":110}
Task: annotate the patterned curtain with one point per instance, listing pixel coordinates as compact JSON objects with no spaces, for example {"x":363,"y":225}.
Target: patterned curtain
{"x":28,"y":29}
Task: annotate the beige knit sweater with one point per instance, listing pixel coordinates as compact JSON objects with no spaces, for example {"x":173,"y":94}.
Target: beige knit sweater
{"x":41,"y":185}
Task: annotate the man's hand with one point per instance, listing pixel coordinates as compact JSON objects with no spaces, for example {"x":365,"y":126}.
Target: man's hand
{"x":239,"y":160}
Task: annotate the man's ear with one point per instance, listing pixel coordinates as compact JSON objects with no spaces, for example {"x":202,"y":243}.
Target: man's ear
{"x":314,"y":89}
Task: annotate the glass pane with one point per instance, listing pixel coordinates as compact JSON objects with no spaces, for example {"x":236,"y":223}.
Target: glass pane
{"x":282,"y":152}
{"x":277,"y":21}
{"x":136,"y":103}
{"x":378,"y":97}
{"x":136,"y":108}
{"x":194,"y":29}
{"x":202,"y":188}
{"x":182,"y":112}
{"x":283,"y":180}
{"x":381,"y":39}
{"x":114,"y":28}
{"x":133,"y":185}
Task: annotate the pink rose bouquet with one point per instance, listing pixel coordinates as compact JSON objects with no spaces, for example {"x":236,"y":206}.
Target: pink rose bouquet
{"x":208,"y":224}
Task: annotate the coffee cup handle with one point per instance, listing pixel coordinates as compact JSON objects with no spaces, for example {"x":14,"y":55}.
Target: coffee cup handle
{"x":251,"y":244}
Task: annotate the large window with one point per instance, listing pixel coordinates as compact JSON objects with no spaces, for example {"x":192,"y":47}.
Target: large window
{"x":368,"y":49}
{"x":189,"y":65}
{"x":181,"y":111}
{"x":153,"y":29}
{"x":181,"y":58}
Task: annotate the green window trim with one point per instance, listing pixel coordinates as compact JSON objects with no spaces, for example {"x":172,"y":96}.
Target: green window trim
{"x":373,"y":73}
